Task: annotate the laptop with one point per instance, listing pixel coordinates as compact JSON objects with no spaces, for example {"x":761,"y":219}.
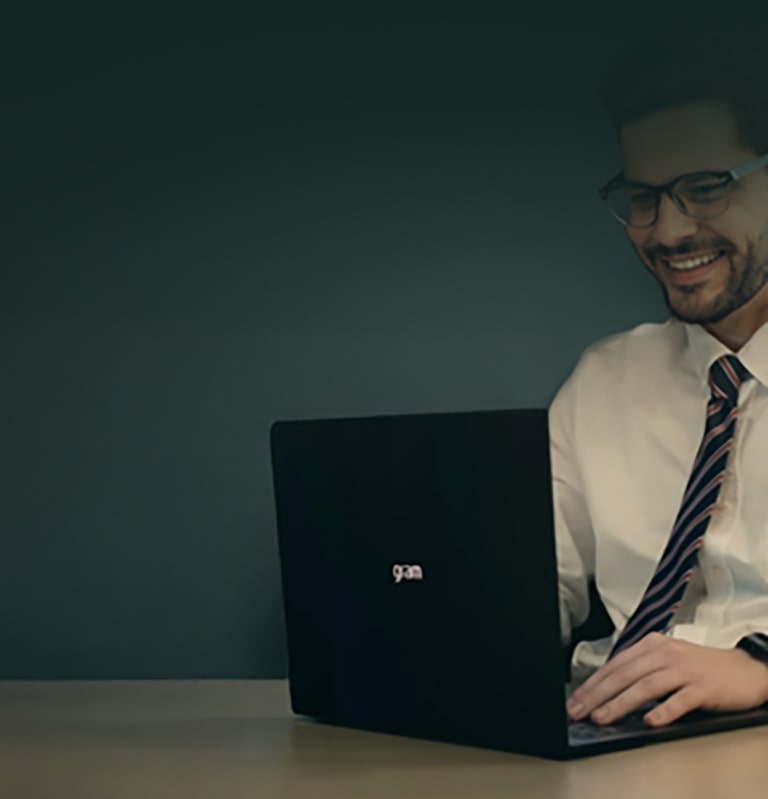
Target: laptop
{"x":419,"y":582}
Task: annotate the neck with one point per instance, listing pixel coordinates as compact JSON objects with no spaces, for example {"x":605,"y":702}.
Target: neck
{"x":734,"y":340}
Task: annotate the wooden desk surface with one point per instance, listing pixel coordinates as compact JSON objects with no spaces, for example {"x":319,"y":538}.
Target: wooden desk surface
{"x":238,"y":739}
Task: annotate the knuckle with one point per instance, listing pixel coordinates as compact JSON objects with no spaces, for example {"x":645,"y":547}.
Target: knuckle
{"x":672,"y":648}
{"x":652,"y":685}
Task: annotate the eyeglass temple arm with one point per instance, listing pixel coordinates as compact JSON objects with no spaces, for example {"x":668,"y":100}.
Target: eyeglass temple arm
{"x":603,"y":190}
{"x":752,"y":166}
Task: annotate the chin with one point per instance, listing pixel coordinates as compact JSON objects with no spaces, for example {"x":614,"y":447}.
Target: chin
{"x":694,"y":311}
{"x":699,"y":314}
{"x":692,"y":318}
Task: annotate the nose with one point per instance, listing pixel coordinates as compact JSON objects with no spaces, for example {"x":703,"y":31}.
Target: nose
{"x":672,"y":225}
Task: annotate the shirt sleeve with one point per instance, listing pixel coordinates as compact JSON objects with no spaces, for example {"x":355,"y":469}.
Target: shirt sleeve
{"x":573,"y":529}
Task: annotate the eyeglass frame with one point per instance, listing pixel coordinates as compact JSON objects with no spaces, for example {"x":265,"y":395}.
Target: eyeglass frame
{"x":729,"y":176}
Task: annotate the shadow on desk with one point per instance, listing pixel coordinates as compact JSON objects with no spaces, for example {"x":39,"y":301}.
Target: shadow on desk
{"x":318,"y":745}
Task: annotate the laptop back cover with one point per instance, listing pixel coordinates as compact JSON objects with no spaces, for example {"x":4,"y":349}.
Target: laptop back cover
{"x":419,"y":575}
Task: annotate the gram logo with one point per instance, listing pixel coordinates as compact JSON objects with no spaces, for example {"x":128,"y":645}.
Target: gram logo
{"x":403,"y":572}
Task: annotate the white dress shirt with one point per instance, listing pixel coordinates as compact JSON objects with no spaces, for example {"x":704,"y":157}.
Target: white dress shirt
{"x":625,"y":428}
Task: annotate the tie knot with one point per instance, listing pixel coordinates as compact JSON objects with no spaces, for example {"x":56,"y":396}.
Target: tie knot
{"x":725,"y":378}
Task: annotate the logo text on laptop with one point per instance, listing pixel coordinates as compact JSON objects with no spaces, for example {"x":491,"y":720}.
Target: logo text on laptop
{"x":403,"y":572}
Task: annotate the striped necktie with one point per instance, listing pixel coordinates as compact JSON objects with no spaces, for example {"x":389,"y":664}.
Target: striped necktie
{"x":663,"y":595}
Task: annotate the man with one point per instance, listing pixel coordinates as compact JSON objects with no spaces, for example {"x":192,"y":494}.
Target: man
{"x":660,"y":435}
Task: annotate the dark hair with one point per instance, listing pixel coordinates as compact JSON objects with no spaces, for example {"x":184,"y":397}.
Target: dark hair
{"x":676,"y":69}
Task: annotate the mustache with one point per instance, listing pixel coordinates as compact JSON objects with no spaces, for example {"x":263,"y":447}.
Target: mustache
{"x":667,"y":252}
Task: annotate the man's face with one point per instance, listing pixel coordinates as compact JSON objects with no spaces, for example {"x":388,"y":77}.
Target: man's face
{"x":700,"y":137}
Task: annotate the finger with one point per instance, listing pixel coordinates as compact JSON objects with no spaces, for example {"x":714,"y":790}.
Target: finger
{"x":642,"y":666}
{"x":656,"y":685}
{"x":681,"y":702}
{"x":642,"y":648}
{"x":646,"y":646}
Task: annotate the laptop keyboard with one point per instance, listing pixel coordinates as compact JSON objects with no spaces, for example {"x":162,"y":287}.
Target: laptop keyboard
{"x":583,"y":732}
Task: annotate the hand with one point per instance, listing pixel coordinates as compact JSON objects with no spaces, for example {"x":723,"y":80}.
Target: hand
{"x":692,"y":677}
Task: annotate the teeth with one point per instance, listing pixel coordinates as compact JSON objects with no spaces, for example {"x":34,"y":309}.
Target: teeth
{"x":694,"y":262}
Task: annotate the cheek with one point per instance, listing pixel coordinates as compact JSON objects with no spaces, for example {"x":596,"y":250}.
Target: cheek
{"x":640,"y":245}
{"x":741,"y":225}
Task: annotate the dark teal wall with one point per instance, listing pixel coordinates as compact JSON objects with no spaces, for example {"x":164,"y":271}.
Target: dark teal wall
{"x":205,"y":233}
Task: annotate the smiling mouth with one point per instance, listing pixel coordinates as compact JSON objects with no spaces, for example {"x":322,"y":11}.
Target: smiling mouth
{"x":688,"y":263}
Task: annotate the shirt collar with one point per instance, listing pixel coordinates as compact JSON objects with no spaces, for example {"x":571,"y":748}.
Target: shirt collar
{"x":705,"y":349}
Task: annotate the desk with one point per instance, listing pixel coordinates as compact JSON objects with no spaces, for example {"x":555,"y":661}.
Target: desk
{"x":215,"y":739}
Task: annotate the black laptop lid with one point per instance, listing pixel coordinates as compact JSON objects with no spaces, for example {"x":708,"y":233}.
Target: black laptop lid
{"x":419,"y":572}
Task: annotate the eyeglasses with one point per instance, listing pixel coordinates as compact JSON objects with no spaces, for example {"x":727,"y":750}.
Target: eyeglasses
{"x":700,"y":195}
